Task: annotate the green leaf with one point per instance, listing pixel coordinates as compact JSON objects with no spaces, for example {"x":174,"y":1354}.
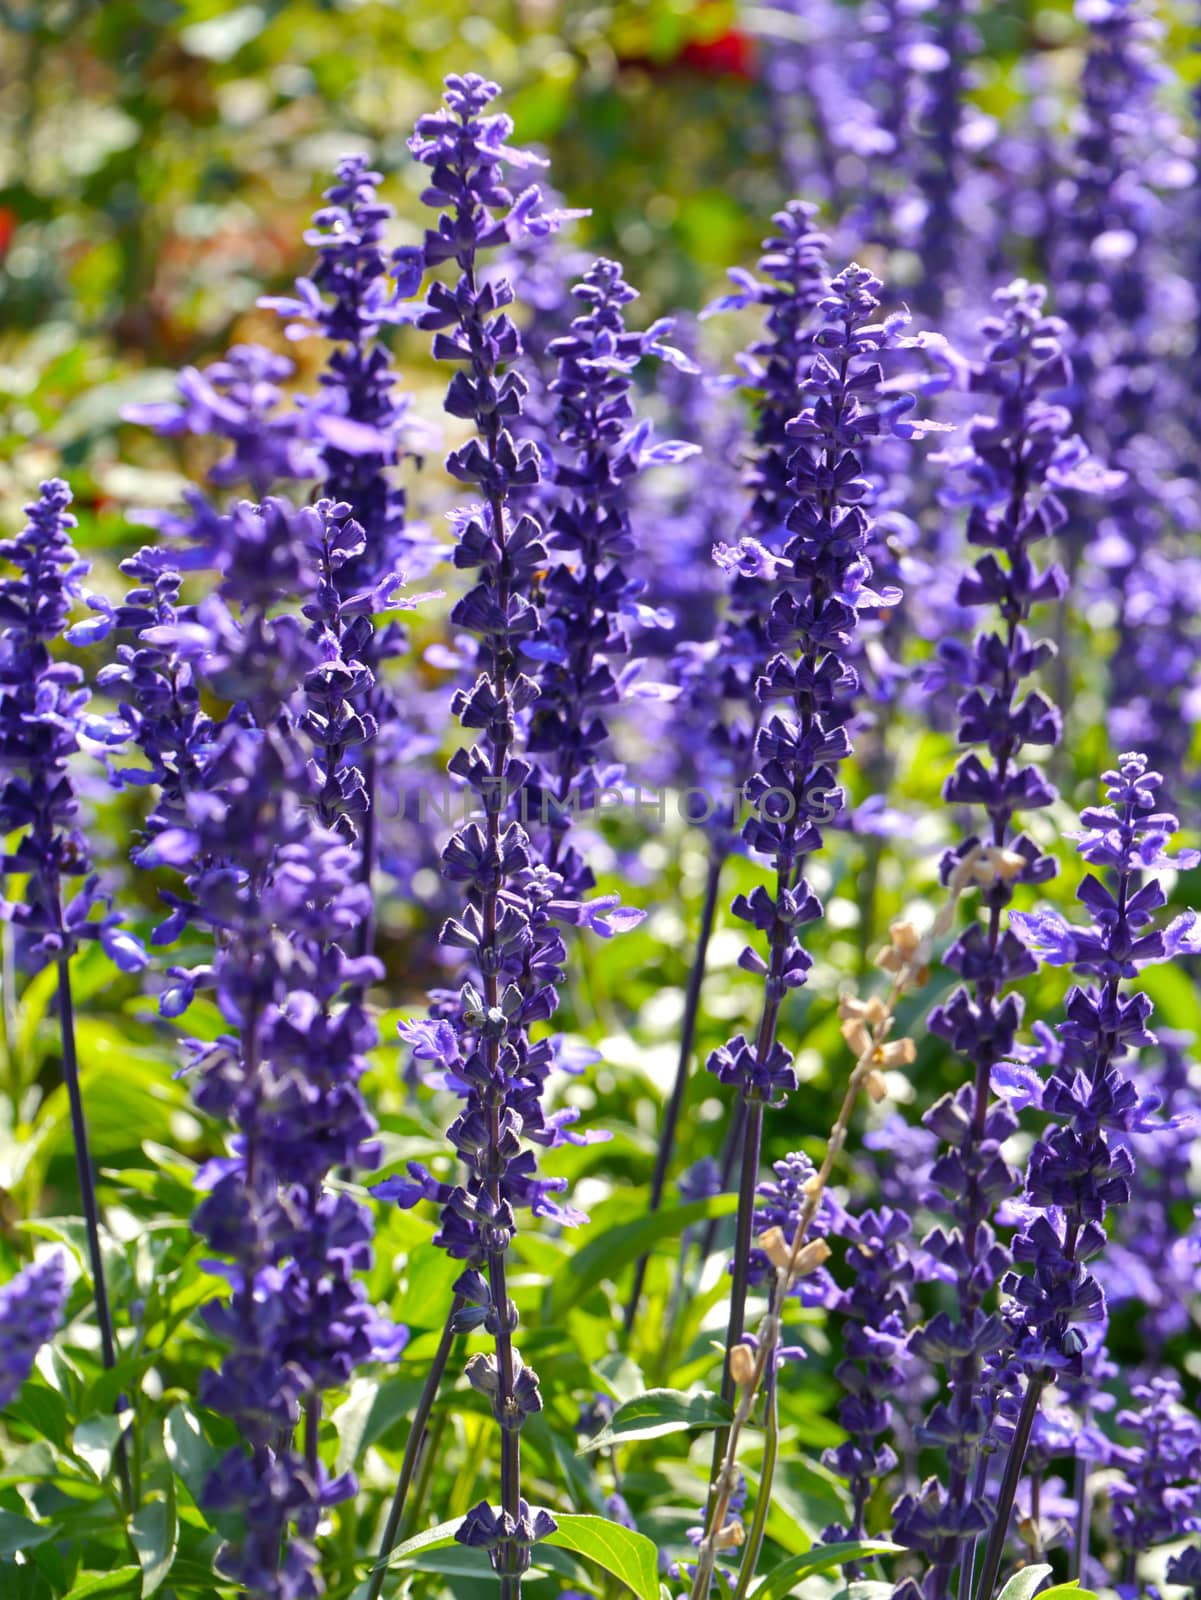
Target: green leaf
{"x":660,"y":1411}
{"x":864,"y":1589}
{"x":372,"y":1407}
{"x":191,"y":1455}
{"x":19,"y":1533}
{"x":628,"y":1556}
{"x":780,"y":1580}
{"x":43,"y":1409}
{"x":122,"y":1580}
{"x":1023,"y":1584}
{"x":28,"y":1464}
{"x":154,"y":1534}
{"x":93,"y":1443}
{"x":435,"y":1538}
{"x":1066,"y":1591}
{"x":615,"y":1247}
{"x":620,"y":1376}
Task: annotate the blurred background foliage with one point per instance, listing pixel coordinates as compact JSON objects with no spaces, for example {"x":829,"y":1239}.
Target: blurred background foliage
{"x":159,"y":160}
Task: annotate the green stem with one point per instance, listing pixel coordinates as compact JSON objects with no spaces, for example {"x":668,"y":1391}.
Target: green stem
{"x":743,"y":1236}
{"x":425,"y":1404}
{"x":771,"y":1450}
{"x":87,"y":1189}
{"x":671,"y":1119}
{"x":1014,"y":1462}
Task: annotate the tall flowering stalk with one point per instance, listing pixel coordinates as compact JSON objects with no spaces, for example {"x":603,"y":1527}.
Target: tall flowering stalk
{"x":1156,"y":1496}
{"x":359,"y":422}
{"x":941,"y":169}
{"x":281,"y":896}
{"x":42,"y":718}
{"x":1080,"y":1171}
{"x":482,"y":1043}
{"x":590,"y":595}
{"x":1101,"y":265}
{"x":810,"y":612}
{"x":717,"y":680}
{"x":1015,"y":462}
{"x":878,"y":1310}
{"x":792,"y":1250}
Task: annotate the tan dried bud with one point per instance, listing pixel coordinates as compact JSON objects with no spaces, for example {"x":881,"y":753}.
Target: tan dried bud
{"x":729,"y":1537}
{"x":890,"y":959}
{"x":857,"y":1037}
{"x":810,"y":1256}
{"x":875,"y":1086}
{"x":775,"y":1247}
{"x":905,"y":937}
{"x":812,"y":1186}
{"x":742,"y":1364}
{"x":896,"y":1053}
{"x":851,"y":1008}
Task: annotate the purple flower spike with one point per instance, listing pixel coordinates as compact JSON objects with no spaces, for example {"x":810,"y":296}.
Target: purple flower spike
{"x":31,"y":1311}
{"x":1015,"y":463}
{"x":239,"y":398}
{"x":42,"y":720}
{"x":511,"y":900}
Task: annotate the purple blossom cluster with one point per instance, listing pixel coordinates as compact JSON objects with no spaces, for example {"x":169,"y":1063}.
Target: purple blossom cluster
{"x":31,"y":1311}
{"x":1015,"y":463}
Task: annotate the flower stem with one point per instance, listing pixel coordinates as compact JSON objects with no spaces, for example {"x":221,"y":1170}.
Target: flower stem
{"x":427,"y":1459}
{"x":743,"y":1236}
{"x":1080,"y":1494}
{"x":744,"y":1233}
{"x":87,"y":1189}
{"x":767,"y":1472}
{"x":368,"y":849}
{"x":696,"y":978}
{"x":1008,"y":1490}
{"x":433,"y":1382}
{"x":312,"y":1430}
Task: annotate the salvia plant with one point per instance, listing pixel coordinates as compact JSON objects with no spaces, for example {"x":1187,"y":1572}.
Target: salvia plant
{"x":573,"y":1017}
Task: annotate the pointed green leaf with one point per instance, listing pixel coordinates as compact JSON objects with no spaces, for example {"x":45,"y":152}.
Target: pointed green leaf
{"x":628,"y":1556}
{"x":373,"y":1406}
{"x":660,"y":1411}
{"x":608,"y":1251}
{"x":19,"y":1533}
{"x":780,"y":1580}
{"x":90,"y":1585}
{"x":93,"y":1443}
{"x":154,"y":1534}
{"x":435,"y":1538}
{"x":1066,"y":1591}
{"x":1024,"y":1583}
{"x":191,"y":1455}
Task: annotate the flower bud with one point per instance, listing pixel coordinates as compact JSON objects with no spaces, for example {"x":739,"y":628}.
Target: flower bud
{"x":742,"y":1365}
